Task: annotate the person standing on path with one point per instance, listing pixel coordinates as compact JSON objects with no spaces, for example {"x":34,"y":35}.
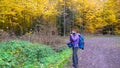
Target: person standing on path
{"x":74,"y":39}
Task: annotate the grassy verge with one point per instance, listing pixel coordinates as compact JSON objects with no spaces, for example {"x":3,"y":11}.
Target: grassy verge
{"x":17,"y":54}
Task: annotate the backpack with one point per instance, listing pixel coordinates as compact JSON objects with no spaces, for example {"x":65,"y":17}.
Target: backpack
{"x":70,"y":44}
{"x":81,"y":42}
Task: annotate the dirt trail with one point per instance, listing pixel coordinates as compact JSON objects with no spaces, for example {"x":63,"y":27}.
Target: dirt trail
{"x":101,"y":52}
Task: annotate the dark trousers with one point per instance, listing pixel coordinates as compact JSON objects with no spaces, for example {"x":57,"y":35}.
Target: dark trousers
{"x":75,"y":57}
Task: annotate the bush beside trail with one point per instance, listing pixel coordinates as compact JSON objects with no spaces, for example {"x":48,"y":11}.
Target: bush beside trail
{"x":17,"y":54}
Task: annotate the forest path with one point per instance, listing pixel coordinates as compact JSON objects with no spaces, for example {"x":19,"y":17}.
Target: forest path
{"x":100,"y":52}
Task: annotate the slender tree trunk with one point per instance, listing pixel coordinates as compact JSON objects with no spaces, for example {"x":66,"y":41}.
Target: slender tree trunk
{"x":64,"y":18}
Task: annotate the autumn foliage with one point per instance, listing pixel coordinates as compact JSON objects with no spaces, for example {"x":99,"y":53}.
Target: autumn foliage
{"x":89,"y":16}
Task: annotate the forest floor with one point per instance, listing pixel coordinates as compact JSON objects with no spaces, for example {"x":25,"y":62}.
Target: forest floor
{"x":99,"y":52}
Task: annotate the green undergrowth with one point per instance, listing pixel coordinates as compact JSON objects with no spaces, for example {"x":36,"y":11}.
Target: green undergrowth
{"x":24,"y":54}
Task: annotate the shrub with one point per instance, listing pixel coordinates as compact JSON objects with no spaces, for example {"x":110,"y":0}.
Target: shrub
{"x":20,"y":53}
{"x":16,"y":54}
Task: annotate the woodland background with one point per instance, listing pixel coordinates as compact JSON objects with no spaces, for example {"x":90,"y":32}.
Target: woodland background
{"x":58,"y":16}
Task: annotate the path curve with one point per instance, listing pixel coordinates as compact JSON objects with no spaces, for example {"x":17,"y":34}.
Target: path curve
{"x":100,"y":53}
{"x":103,"y":52}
